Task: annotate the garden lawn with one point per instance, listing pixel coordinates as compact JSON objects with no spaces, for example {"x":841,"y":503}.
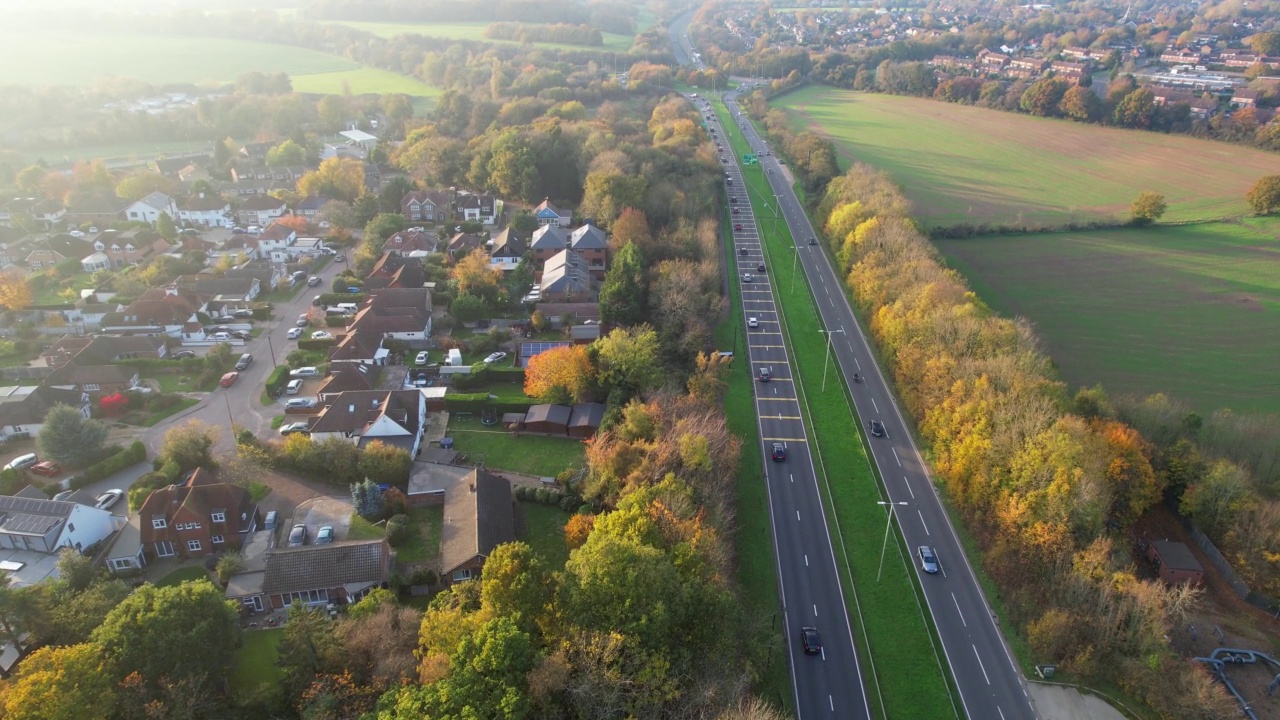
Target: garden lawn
{"x":545,"y":525}
{"x":527,"y":454}
{"x":962,"y":164}
{"x":424,"y":544}
{"x":256,"y":661}
{"x":613,"y":43}
{"x":173,"y":382}
{"x":904,"y":673}
{"x":1191,"y":311}
{"x":183,"y":574}
{"x":362,"y":529}
{"x":170,"y":411}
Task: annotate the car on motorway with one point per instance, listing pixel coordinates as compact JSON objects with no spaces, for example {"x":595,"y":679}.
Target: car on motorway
{"x":421,"y":358}
{"x":779,"y":452}
{"x":108,"y":498}
{"x":304,"y":372}
{"x":748,"y":277}
{"x":753,"y":322}
{"x":321,"y":335}
{"x":810,"y":640}
{"x":735,"y":211}
{"x":229,"y":379}
{"x":47,"y":468}
{"x":733,"y":201}
{"x":296,"y":427}
{"x":742,"y":251}
{"x":760,"y":267}
{"x":324,"y":535}
{"x":297,"y":536}
{"x":294,"y":333}
{"x":877,"y":428}
{"x":813,"y":241}
{"x":765,"y":375}
{"x":495,"y":357}
{"x":928,"y":561}
{"x":737,"y":227}
{"x":183,"y":354}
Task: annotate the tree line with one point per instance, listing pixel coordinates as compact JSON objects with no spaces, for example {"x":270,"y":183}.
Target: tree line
{"x":566,"y":33}
{"x":609,"y":16}
{"x":1046,"y":485}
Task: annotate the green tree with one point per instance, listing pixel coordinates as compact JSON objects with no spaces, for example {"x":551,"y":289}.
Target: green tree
{"x":308,"y":647}
{"x":1264,"y":196}
{"x":30,"y":179}
{"x":61,"y":683}
{"x":70,"y":438}
{"x":287,"y":153}
{"x":393,"y":192}
{"x":383,"y":226}
{"x":190,"y":445}
{"x":623,"y":295}
{"x":627,"y":361}
{"x":76,"y":571}
{"x":165,"y":226}
{"x":1136,"y":110}
{"x":524,"y":221}
{"x":337,"y":178}
{"x":141,"y":184}
{"x":155,"y":631}
{"x":517,"y":584}
{"x":1266,"y":43}
{"x":1080,"y":103}
{"x":1147,"y":208}
{"x":384,"y":463}
{"x":73,"y":616}
{"x":512,"y":169}
{"x":1216,"y":500}
{"x":468,"y":308}
{"x":1043,"y":97}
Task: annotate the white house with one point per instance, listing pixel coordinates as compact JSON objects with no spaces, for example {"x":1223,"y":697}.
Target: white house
{"x":49,"y":525}
{"x":149,"y":208}
{"x":206,"y":211}
{"x":275,"y":243}
{"x":23,"y":407}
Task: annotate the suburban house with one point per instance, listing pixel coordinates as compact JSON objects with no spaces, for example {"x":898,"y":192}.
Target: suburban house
{"x":592,"y":244}
{"x":47,"y":253}
{"x":411,"y":242}
{"x":313,"y":575}
{"x":96,"y":379}
{"x":173,"y":166}
{"x":95,"y":262}
{"x":23,"y":408}
{"x":111,"y":349}
{"x":47,"y":526}
{"x":13,"y":242}
{"x":274,"y":242}
{"x":99,"y":210}
{"x":150,"y":208}
{"x":547,"y":241}
{"x":206,"y":211}
{"x":394,"y":417}
{"x":1244,"y":97}
{"x":508,"y":249}
{"x":168,"y":310}
{"x":260,"y":210}
{"x":240,"y":247}
{"x":131,"y":247}
{"x":198,"y":517}
{"x":345,"y":377}
{"x":395,"y":271}
{"x":548,"y":214}
{"x":430,"y":482}
{"x":359,"y":347}
{"x":267,"y":274}
{"x":478,"y":517}
{"x":392,"y":323}
{"x":463,"y":244}
{"x":219,"y":293}
{"x":1174,"y":562}
{"x":418,"y":298}
{"x":309,"y":206}
{"x":425,"y":206}
{"x":567,"y":278}
{"x":483,"y":209}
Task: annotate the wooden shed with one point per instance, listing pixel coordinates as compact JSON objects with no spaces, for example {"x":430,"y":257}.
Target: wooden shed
{"x":549,"y":419}
{"x":1174,"y":562}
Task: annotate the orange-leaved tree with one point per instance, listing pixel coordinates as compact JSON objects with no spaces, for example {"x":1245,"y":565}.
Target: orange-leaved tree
{"x":560,"y":374}
{"x":15,"y":292}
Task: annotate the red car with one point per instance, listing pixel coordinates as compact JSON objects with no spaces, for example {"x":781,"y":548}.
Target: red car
{"x":47,"y":468}
{"x":229,"y":379}
{"x":737,"y":227}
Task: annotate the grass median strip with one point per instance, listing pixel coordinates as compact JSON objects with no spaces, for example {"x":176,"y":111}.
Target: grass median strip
{"x":905,"y":664}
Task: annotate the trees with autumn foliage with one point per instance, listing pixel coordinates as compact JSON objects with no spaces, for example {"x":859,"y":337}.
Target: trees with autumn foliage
{"x":475,"y":276}
{"x":560,"y":375}
{"x":15,"y":291}
{"x":337,"y":178}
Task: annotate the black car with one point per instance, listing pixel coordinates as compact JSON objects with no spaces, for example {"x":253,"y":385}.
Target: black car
{"x":779,"y":452}
{"x":810,"y":641}
{"x":242,"y":335}
{"x":742,"y":251}
{"x":813,"y":241}
{"x":183,"y":354}
{"x":877,"y":428}
{"x":760,"y":267}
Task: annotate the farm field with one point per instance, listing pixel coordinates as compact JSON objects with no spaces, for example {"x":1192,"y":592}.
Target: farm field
{"x":475,"y":31}
{"x":47,"y":58}
{"x":1192,"y":311}
{"x":962,"y":164}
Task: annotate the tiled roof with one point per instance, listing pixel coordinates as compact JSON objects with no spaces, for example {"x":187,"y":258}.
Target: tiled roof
{"x":262,"y":202}
{"x":353,"y":411}
{"x":588,"y":237}
{"x":202,"y":495}
{"x":478,"y":517}
{"x":550,"y":237}
{"x":321,"y":567}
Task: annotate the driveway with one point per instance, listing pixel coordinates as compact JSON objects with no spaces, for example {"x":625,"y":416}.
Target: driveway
{"x":318,"y":512}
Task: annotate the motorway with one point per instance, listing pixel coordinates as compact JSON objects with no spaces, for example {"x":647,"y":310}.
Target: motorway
{"x":991,"y":687}
{"x":829,"y":684}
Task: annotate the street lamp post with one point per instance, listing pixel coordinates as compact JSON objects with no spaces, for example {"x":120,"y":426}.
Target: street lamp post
{"x":827,"y":361}
{"x":887,"y":523}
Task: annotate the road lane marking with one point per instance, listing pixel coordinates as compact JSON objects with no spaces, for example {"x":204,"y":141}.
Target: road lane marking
{"x":907,"y":482}
{"x":980,"y":665}
{"x":958,"y":611}
{"x":895,"y":456}
{"x":806,"y":560}
{"x":815,"y":609}
{"x":926,"y":527}
{"x":1000,"y":711}
{"x":797,"y":516}
{"x":855,"y":362}
{"x":794,"y":440}
{"x":874,"y":405}
{"x":793,"y":479}
{"x":830,"y":702}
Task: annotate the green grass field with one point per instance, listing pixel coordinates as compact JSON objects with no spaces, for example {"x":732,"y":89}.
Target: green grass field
{"x":961,"y":164}
{"x":181,"y":575}
{"x":424,"y":544}
{"x":1191,"y":311}
{"x":475,"y":31}
{"x":256,"y":660}
{"x":545,"y":525}
{"x":46,"y":57}
{"x":904,"y":677}
{"x":528,"y":454}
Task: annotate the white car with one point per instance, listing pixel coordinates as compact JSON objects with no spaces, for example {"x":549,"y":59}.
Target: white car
{"x":321,"y":335}
{"x":303,"y":320}
{"x":753,"y":323}
{"x":107,"y":499}
{"x":294,"y":333}
{"x":421,"y":359}
{"x":495,"y":357}
{"x":305,"y":372}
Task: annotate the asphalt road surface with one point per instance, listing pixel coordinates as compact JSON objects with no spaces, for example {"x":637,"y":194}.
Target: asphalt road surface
{"x":827,"y":684}
{"x":990,"y":684}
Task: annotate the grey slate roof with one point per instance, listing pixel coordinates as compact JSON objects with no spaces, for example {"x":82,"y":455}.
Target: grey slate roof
{"x":315,"y":567}
{"x":589,"y":237}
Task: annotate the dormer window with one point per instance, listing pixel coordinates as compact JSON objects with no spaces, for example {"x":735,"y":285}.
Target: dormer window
{"x":159,"y":523}
{"x":99,"y":246}
{"x":219,"y":517}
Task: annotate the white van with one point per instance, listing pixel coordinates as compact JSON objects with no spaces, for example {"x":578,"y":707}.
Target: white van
{"x":293,"y":387}
{"x":298,"y":403}
{"x":455,"y":358}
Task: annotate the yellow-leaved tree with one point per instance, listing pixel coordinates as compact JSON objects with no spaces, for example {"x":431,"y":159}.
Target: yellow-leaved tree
{"x":560,"y":374}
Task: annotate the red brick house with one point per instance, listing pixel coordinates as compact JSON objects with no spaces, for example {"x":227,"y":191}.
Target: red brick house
{"x":197,"y":517}
{"x":1174,"y":562}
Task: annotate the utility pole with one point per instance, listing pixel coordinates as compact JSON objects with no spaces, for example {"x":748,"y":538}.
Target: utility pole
{"x":887,"y":523}
{"x":827,"y":362}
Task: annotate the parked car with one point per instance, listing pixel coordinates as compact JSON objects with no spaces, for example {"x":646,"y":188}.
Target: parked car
{"x":340,"y":258}
{"x":297,"y":536}
{"x":421,"y":359}
{"x":495,"y":357}
{"x":299,"y":403}
{"x":297,"y":427}
{"x":220,"y":337}
{"x":243,"y":313}
{"x":229,"y":379}
{"x":270,"y":522}
{"x":304,"y":372}
{"x":294,"y":333}
{"x":324,"y":535}
{"x":242,"y":335}
{"x":64,"y":495}
{"x":779,"y":453}
{"x":225,"y":318}
{"x":321,"y":335}
{"x":22,"y":461}
{"x":47,"y":468}
{"x":293,"y":387}
{"x":107,"y":499}
{"x":928,"y":561}
{"x":303,"y":319}
{"x":810,"y":640}
{"x":183,"y":354}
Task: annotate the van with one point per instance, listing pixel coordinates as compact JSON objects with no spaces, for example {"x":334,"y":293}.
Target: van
{"x":244,"y":361}
{"x":22,"y":461}
{"x":299,"y":403}
{"x":293,"y":387}
{"x":455,"y":358}
{"x":273,"y":518}
{"x":349,"y":308}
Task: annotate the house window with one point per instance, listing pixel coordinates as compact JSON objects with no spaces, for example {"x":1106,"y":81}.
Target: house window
{"x":193,"y":526}
{"x":122,"y":564}
{"x":219,"y":517}
{"x":461,"y":575}
{"x":193,"y":545}
{"x":159,"y":523}
{"x":91,"y":387}
{"x":217,"y":539}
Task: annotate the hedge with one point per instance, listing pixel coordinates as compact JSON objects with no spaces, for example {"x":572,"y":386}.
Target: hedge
{"x":488,"y":375}
{"x":190,"y":365}
{"x":134,"y":454}
{"x":453,"y":404}
{"x":278,"y":378}
{"x":332,"y":298}
{"x":315,"y":344}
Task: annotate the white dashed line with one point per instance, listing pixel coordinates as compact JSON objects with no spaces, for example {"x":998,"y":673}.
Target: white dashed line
{"x":961,"y":614}
{"x":797,"y":516}
{"x":806,"y":560}
{"x":895,"y":456}
{"x":984,"y":669}
{"x":874,"y":405}
{"x":922,"y":522}
{"x":908,"y":484}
